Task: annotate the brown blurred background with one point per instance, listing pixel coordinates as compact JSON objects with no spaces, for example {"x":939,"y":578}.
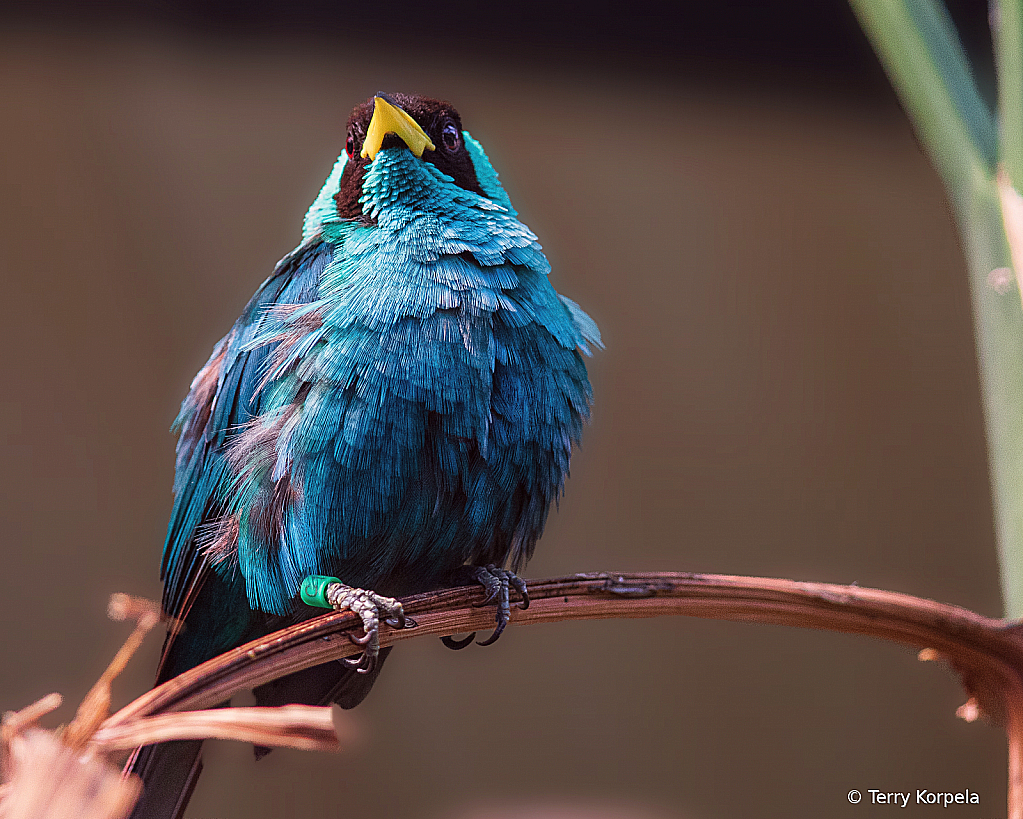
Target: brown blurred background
{"x":789,"y":386}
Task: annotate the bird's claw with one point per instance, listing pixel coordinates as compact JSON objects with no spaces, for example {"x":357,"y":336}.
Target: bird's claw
{"x":400,"y":621}
{"x":519,"y":585}
{"x":360,"y":641}
{"x":497,"y":583}
{"x":371,"y":608}
{"x":457,"y":645}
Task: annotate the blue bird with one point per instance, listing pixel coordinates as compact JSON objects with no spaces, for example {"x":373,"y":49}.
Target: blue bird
{"x":396,"y":407}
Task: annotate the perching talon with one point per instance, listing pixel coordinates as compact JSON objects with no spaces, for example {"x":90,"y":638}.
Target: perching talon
{"x":457,"y":645}
{"x":497,"y":582}
{"x":369,"y":606}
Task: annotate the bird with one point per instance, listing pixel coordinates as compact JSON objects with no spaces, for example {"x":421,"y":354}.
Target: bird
{"x":394,"y":410}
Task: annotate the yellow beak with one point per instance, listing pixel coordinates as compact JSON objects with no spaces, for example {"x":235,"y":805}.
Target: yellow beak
{"x":390,"y":119}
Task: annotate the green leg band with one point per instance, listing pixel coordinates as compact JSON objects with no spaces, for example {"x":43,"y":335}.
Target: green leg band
{"x":314,"y":589}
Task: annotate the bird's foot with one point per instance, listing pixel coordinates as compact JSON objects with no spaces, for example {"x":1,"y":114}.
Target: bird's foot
{"x":372,"y":608}
{"x":497,"y":583}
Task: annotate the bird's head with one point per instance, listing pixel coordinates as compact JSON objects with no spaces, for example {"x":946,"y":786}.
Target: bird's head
{"x":429,"y":129}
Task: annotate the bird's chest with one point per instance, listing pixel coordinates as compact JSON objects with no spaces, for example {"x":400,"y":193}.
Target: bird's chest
{"x":420,"y":415}
{"x":413,"y":481}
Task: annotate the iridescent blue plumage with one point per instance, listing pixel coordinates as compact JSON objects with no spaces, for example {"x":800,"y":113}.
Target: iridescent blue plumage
{"x":400,"y":398}
{"x":415,"y":384}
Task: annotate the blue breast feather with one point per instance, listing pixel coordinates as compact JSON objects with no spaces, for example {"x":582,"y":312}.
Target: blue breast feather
{"x":397,"y":399}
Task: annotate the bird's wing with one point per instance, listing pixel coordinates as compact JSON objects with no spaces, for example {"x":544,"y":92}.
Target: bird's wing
{"x":224,"y":397}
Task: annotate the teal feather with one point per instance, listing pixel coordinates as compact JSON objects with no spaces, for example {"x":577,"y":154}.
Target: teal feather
{"x":399,"y":398}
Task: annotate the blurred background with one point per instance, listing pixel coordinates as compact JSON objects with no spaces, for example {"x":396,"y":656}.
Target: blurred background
{"x":789,"y":386}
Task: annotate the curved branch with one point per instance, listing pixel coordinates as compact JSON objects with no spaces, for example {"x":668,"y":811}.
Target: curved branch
{"x":980,"y":648}
{"x":986,"y":652}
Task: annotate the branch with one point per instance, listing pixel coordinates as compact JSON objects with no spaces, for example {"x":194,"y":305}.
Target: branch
{"x":987,"y":653}
{"x":978,"y":647}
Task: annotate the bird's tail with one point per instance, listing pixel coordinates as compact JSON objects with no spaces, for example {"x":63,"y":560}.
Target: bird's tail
{"x":169,"y":772}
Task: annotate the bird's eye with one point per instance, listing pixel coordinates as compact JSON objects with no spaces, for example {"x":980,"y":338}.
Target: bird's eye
{"x":350,"y":146}
{"x":450,"y":137}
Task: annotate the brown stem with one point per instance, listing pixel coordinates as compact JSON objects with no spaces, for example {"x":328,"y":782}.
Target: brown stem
{"x":987,"y":653}
{"x":305,"y":727}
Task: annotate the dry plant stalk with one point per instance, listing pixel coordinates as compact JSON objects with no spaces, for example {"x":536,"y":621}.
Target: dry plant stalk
{"x":67,"y":774}
{"x":50,"y":774}
{"x":305,"y":727}
{"x":986,"y":653}
{"x":51,"y":780}
{"x":96,"y":705}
